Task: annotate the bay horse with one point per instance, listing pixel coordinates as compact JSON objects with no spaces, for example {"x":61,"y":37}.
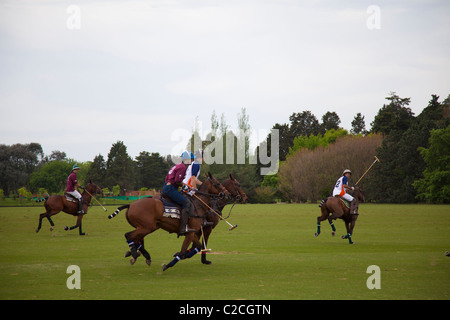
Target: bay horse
{"x":237,"y":196}
{"x":57,"y":203}
{"x":333,"y":208}
{"x":146,"y":216}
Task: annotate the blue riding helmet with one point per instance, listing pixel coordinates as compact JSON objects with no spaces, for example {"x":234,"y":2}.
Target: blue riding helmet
{"x":185,"y":156}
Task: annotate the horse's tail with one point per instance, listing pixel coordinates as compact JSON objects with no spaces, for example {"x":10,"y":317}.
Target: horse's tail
{"x":42,"y":199}
{"x":115,"y":213}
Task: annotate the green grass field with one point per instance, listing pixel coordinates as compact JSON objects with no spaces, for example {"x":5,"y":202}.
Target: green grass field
{"x":273,"y":254}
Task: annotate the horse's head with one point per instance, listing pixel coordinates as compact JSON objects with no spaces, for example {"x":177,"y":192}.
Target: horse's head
{"x":233,"y":186}
{"x":358,"y":193}
{"x":213,"y":186}
{"x":92,"y":188}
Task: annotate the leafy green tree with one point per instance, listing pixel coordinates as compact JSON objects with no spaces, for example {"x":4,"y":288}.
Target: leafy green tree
{"x":435,"y":185}
{"x":395,"y":116}
{"x":330,"y":120}
{"x":304,"y":124}
{"x":358,"y":125}
{"x":97,"y":171}
{"x":151,"y":169}
{"x":313,"y":141}
{"x":120,"y":168}
{"x":17,"y":163}
{"x":116,"y":190}
{"x":401,"y":162}
{"x":51,"y":176}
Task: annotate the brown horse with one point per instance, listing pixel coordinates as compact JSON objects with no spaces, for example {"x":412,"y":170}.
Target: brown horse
{"x":57,"y":203}
{"x":146,"y":216}
{"x":237,"y":196}
{"x":333,"y":208}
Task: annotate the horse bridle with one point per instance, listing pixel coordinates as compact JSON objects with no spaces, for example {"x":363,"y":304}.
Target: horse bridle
{"x":218,"y":186}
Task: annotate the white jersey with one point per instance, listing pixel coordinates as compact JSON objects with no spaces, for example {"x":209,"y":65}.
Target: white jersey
{"x":192,"y":170}
{"x":339,"y":189}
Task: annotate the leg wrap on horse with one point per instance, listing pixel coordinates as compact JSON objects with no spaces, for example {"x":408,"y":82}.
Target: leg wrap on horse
{"x":332,"y":226}
{"x":133,"y":249}
{"x":192,"y":252}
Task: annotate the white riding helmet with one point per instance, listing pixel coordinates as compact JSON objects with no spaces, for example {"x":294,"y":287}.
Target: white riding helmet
{"x":346,"y":171}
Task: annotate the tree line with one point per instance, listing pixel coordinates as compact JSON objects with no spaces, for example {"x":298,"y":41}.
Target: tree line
{"x":25,"y":166}
{"x":414,"y":154}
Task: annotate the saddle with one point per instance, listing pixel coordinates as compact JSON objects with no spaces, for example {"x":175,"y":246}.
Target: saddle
{"x":171,"y":209}
{"x":70,"y":197}
{"x":345,"y":202}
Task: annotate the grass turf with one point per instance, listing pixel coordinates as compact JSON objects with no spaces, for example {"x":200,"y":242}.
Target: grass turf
{"x":273,"y":254}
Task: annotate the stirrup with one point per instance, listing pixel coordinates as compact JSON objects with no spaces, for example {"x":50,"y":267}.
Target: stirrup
{"x":186,"y":230}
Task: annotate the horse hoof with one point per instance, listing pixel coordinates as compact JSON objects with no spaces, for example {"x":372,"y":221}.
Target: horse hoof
{"x":52,"y":228}
{"x":343,"y":237}
{"x":66,"y":228}
{"x":148,"y":262}
{"x":37,"y":230}
{"x":316,"y":234}
{"x":132,"y":261}
{"x":164,"y":267}
{"x":333,"y":233}
{"x":206,"y":262}
{"x":82,"y":234}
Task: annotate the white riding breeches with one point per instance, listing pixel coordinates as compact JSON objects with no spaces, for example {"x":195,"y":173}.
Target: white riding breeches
{"x":348,"y":197}
{"x":76,"y":194}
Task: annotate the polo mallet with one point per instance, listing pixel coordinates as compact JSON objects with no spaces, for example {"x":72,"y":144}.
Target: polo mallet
{"x":95,"y":199}
{"x":231,"y":226}
{"x":376,"y":159}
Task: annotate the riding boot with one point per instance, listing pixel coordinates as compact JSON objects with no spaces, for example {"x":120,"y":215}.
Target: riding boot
{"x":184,"y":220}
{"x":80,"y":206}
{"x":353,"y":207}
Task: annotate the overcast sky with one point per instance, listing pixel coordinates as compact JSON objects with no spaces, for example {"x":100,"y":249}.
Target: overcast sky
{"x":77,"y":76}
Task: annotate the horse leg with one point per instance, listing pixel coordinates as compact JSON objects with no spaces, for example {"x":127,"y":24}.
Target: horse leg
{"x":141,"y":249}
{"x":349,"y":230}
{"x":206,"y":232}
{"x":352,"y":225}
{"x":51,"y":222}
{"x":133,"y":249}
{"x":183,"y":253}
{"x":325,"y":214}
{"x":330,"y":221}
{"x":145,"y":253}
{"x":135,"y":240}
{"x":77,"y":225}
{"x":41,"y":216}
{"x":46,"y":215}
